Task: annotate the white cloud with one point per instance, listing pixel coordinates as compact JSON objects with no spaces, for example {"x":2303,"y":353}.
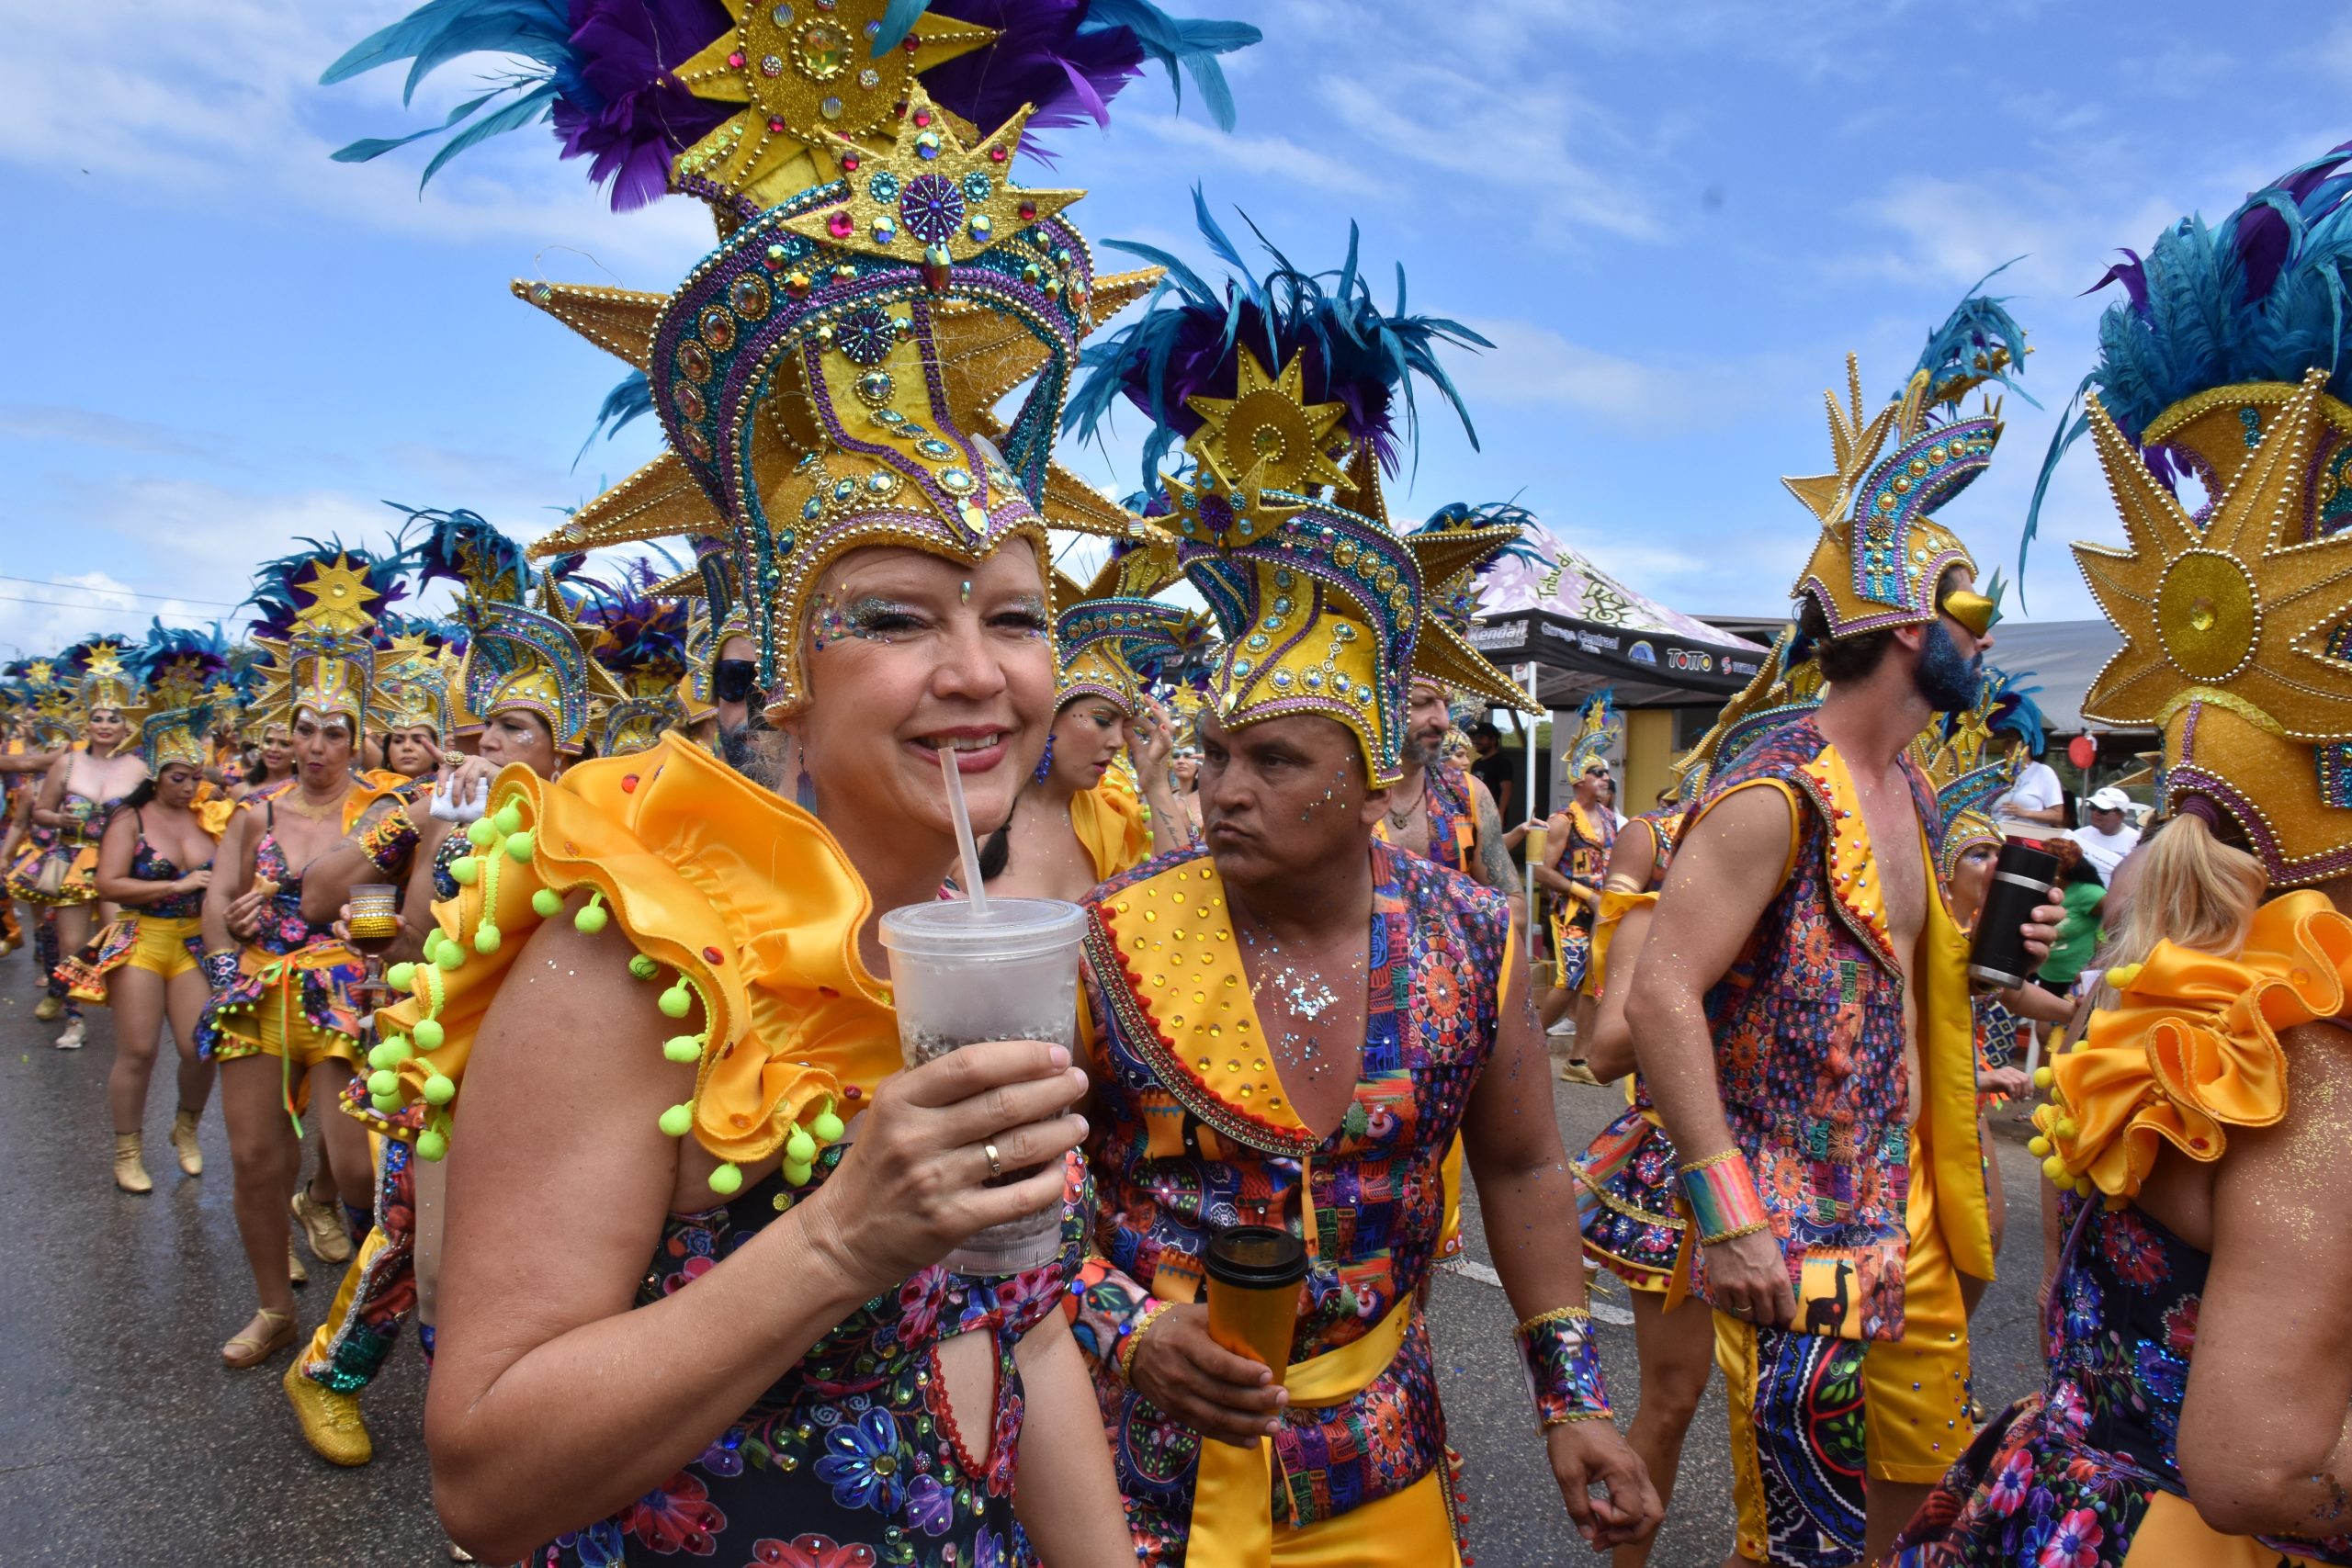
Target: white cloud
{"x":40,"y":618}
{"x":50,"y":422}
{"x":1531,"y":364}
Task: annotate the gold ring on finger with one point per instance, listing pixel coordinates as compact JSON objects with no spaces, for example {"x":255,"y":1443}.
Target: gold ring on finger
{"x":996,"y":1161}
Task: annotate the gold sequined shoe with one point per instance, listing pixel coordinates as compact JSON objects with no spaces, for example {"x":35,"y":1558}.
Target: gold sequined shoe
{"x":184,"y":1141}
{"x":295,"y":1272}
{"x":330,"y":1421}
{"x":49,"y":1010}
{"x":323,"y":1228}
{"x":130,"y":1163}
{"x":265,"y":1336}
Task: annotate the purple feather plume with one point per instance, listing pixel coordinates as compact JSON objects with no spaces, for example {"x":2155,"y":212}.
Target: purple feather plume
{"x":2262,"y":239}
{"x":620,"y":105}
{"x":1041,"y":58}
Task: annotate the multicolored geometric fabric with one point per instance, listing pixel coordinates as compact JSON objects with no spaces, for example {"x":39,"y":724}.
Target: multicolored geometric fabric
{"x":1175,"y":1163}
{"x":2078,"y":1474}
{"x":854,"y":1458}
{"x":1808,"y":1028}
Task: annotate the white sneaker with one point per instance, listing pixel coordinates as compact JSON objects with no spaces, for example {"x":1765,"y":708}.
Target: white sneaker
{"x":70,"y":1039}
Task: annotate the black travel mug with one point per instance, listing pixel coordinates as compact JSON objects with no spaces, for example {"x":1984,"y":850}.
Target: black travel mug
{"x":2022,"y":876}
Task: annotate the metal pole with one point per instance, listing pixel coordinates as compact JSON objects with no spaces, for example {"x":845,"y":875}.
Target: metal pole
{"x":1528,"y":872}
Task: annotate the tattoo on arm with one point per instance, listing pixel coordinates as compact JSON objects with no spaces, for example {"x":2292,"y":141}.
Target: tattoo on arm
{"x":1494,"y":860}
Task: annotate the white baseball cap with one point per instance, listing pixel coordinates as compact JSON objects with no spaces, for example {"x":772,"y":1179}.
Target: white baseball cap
{"x":2110,"y":799}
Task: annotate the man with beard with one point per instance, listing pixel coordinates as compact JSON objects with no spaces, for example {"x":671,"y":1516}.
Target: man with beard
{"x":1442,"y":812}
{"x":1801,"y":1012}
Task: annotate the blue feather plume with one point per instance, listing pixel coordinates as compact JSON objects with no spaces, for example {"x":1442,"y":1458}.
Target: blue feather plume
{"x":1355,"y":354}
{"x":1979,"y":342}
{"x":630,"y":399}
{"x":2260,"y":297}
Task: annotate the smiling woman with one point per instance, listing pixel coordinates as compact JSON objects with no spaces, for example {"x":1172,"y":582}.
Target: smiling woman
{"x":697,"y":1152}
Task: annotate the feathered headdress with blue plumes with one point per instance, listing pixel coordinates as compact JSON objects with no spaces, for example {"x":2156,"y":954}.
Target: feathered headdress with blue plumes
{"x":316,"y":620}
{"x":526,"y":648}
{"x":178,"y":665}
{"x":1348,"y":352}
{"x":2257,"y":299}
{"x":1598,"y":728}
{"x":644,"y":89}
{"x":100,"y":670}
{"x":641,"y":642}
{"x":1500,"y":523}
{"x":1979,"y":342}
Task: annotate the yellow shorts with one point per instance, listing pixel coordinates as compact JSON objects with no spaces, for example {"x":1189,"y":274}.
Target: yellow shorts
{"x":1813,"y":1419}
{"x":162,"y":946}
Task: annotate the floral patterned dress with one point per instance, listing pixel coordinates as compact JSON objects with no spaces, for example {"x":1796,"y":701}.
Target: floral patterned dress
{"x":2067,"y":1477}
{"x":852,"y":1459}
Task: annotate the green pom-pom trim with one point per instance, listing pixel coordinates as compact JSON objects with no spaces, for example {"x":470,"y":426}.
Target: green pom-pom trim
{"x":678,"y":1121}
{"x":797,"y":1175}
{"x":827,"y":1127}
{"x":440,"y":1089}
{"x":546,"y":903}
{"x":727,"y":1180}
{"x":432,"y":1145}
{"x":428,"y":1033}
{"x":385,"y":1104}
{"x":479,"y":833}
{"x":382,"y":1058}
{"x":518,"y":847}
{"x":677,"y":1002}
{"x":591,"y":917}
{"x":682,"y":1048}
{"x":486,"y":940}
{"x":799,"y":1148}
{"x":508,"y":818}
{"x":400,"y":976}
{"x":383,"y":1082}
{"x":464,"y":872}
{"x":643,"y":968}
{"x":452,"y":958}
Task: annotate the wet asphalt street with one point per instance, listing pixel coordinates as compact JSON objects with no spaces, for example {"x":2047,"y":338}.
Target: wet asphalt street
{"x":123,"y":1439}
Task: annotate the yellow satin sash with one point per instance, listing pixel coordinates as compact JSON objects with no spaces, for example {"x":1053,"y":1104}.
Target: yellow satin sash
{"x":1233,"y":1512}
{"x":2174,"y":1535}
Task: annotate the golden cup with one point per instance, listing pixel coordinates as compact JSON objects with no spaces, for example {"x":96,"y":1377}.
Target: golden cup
{"x":1254,"y":1274}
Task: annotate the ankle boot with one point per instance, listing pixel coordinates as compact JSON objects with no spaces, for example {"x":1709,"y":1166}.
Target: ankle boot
{"x":184,"y":1141}
{"x":130,"y":1163}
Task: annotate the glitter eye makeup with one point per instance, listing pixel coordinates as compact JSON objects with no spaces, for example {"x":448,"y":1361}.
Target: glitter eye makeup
{"x":870,"y":618}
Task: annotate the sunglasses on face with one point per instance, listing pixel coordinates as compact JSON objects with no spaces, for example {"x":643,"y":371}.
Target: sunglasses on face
{"x":734,"y":680}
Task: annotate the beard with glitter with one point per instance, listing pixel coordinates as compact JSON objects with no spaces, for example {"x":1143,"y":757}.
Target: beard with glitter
{"x":1945,"y":679}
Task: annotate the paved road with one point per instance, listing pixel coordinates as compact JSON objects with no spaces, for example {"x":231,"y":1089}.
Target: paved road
{"x":123,"y":1438}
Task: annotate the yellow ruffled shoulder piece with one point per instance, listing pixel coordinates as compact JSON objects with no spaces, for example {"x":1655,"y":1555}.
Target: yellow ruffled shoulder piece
{"x":744,"y":913}
{"x":2192,"y":1049}
{"x":1614,"y":907}
{"x":1110,"y":821}
{"x":213,"y":808}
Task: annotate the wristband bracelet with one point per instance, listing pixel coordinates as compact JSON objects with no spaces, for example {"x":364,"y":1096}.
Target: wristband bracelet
{"x":1131,"y":1334}
{"x":1722,"y":1195}
{"x":1563,"y":1367}
{"x":221,"y":970}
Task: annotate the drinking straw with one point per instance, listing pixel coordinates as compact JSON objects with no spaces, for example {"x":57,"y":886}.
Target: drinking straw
{"x":965,"y":849}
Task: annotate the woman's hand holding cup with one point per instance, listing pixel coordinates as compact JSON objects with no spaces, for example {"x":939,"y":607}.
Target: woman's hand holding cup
{"x":914,"y":1183}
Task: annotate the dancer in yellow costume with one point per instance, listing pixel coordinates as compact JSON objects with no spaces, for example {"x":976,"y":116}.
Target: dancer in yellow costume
{"x":2199,"y":1363}
{"x":154,"y":863}
{"x":727,"y":1061}
{"x":1292,"y":1023}
{"x":1800,"y":1007}
{"x":280,"y":1019}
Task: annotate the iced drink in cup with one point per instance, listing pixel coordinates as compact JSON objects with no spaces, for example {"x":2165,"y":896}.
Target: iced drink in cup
{"x":960,"y":975}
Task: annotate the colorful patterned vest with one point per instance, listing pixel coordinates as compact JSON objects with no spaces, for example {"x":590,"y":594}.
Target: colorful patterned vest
{"x":1196,"y":1136}
{"x":1454,"y":820}
{"x":1809,"y":1042}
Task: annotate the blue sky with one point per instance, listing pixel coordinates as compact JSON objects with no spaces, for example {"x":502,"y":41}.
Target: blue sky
{"x":1673,"y":220}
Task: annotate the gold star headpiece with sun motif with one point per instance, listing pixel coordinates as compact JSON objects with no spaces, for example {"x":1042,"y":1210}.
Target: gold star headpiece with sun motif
{"x":317,"y":638}
{"x":105,"y":680}
{"x":415,"y":684}
{"x":826,"y":385}
{"x":2237,"y":630}
{"x":1322,"y":605}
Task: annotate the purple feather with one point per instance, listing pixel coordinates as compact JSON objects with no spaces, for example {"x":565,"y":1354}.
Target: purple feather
{"x":2262,"y":239}
{"x":619,"y":104}
{"x":1040,"y":58}
{"x":2130,"y":273}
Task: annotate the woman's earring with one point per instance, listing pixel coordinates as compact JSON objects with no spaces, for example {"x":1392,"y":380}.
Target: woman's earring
{"x":804,"y":788}
{"x":1046,"y":763}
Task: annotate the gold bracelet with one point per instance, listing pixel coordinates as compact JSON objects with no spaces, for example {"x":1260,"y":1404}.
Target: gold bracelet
{"x":1151,"y":1312}
{"x":1557,"y":1315}
{"x":1749,"y":1229}
{"x":1697,"y":1165}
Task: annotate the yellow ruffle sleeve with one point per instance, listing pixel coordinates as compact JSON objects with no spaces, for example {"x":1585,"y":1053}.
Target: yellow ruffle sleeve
{"x":738,"y":904}
{"x":2192,"y":1048}
{"x":1112,"y":825}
